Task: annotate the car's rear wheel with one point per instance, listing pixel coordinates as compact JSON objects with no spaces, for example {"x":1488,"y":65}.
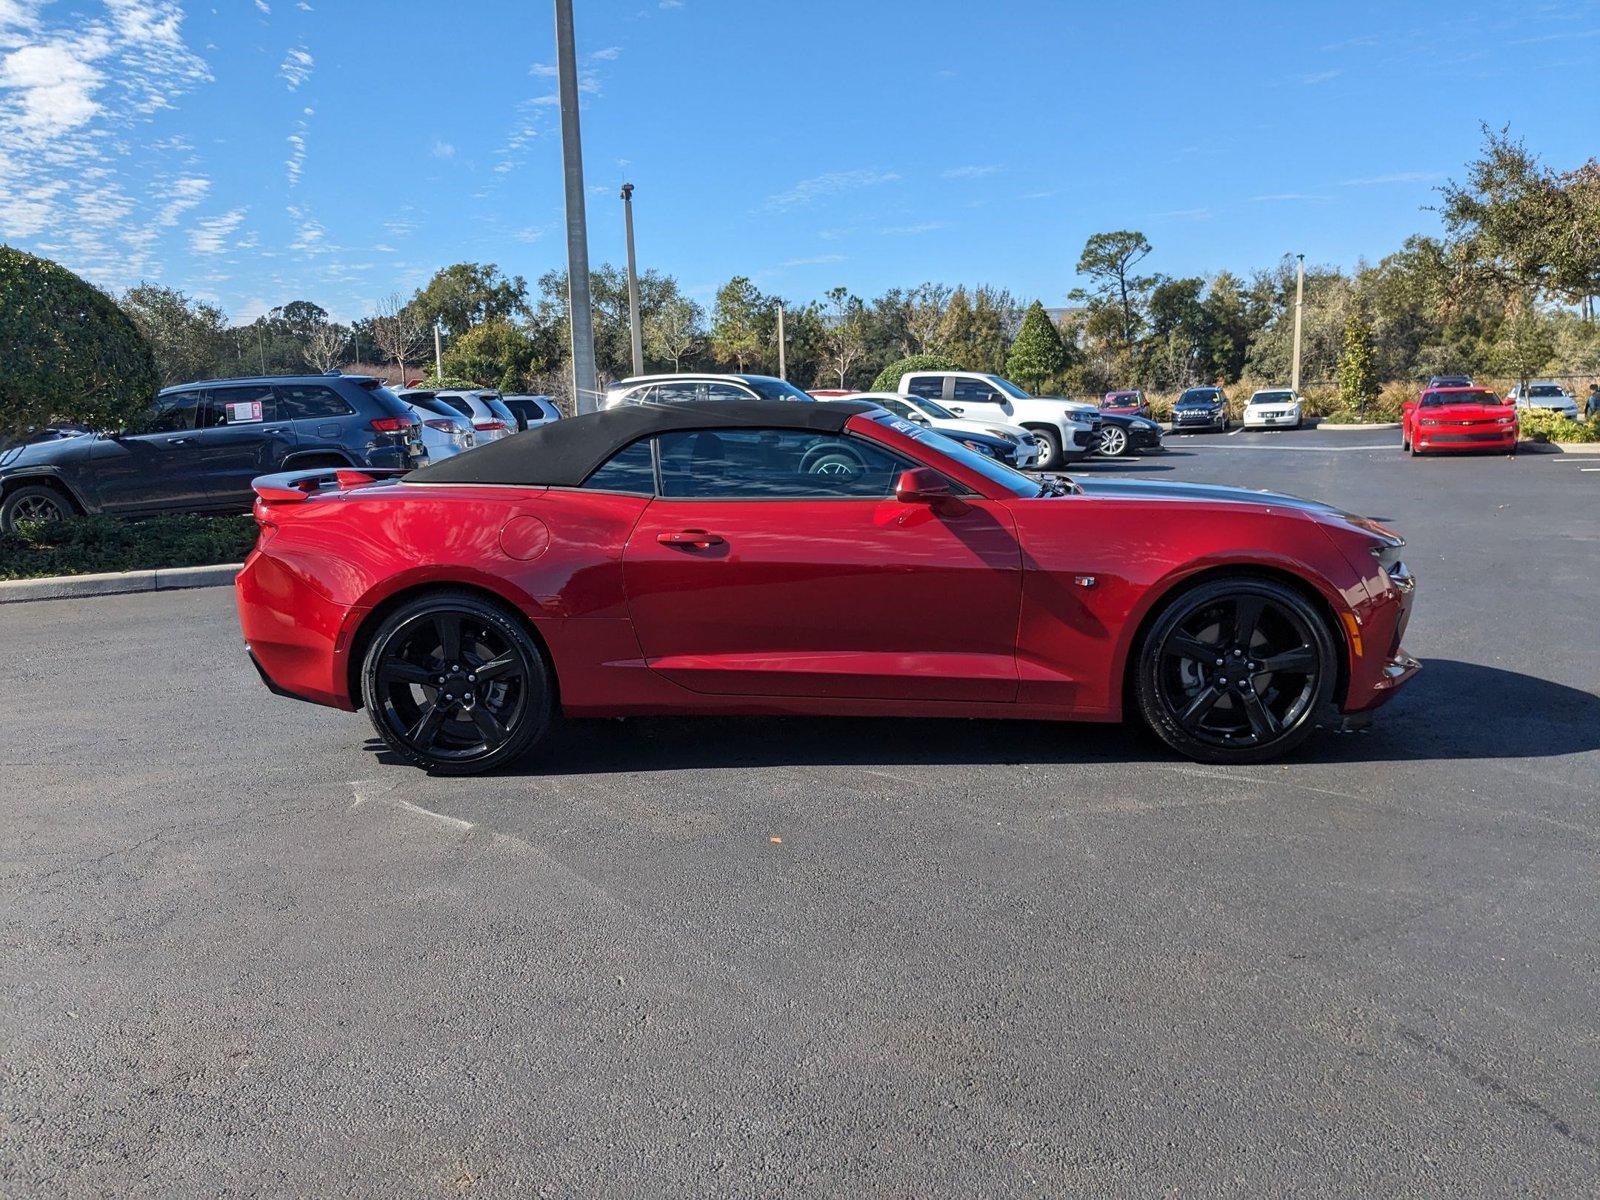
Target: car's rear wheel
{"x":1049,"y":443}
{"x":1113,"y":441}
{"x":456,"y":684}
{"x":36,"y":503}
{"x":1235,"y":671}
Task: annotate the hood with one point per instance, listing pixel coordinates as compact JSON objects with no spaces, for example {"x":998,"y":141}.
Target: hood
{"x":1211,"y":493}
{"x":1085,"y":406}
{"x":1209,"y":402}
{"x":52,"y":453}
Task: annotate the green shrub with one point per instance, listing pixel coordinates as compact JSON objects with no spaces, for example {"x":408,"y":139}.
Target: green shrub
{"x":450,"y":383}
{"x":86,"y":545}
{"x":889,"y":378}
{"x":69,"y":353}
{"x":1543,"y":425}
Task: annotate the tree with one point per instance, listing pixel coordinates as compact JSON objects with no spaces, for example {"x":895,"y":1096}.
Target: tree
{"x":466,"y":294}
{"x":925,"y":306}
{"x":954,"y":337}
{"x":398,"y":331}
{"x":844,"y":333}
{"x":673,"y":329}
{"x":1358,"y":376}
{"x":70,"y":353}
{"x":1525,"y":347}
{"x":889,"y":378}
{"x":1037,"y":353}
{"x":991,"y":311}
{"x":325,"y":347}
{"x":737,"y":325}
{"x":1108,"y":260}
{"x":188,"y":337}
{"x":500,"y":353}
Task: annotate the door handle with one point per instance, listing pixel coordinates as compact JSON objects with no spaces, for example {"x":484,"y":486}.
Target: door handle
{"x":179,"y":441}
{"x":698,"y":538}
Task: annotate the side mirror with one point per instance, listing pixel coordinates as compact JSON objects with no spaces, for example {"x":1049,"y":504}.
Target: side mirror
{"x":921,"y":485}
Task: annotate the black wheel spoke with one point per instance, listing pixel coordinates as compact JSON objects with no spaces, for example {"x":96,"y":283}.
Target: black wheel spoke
{"x":1300,"y":660}
{"x":427,"y":726}
{"x":506,"y":664}
{"x":398,"y":670}
{"x":1183,"y":645}
{"x":1246,"y":616}
{"x":488,"y":724}
{"x":1204,"y":701}
{"x":449,"y":627}
{"x":1262,"y":723}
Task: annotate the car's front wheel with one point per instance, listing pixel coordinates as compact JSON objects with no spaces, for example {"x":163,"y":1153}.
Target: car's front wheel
{"x":1235,"y":671}
{"x":455,"y":683}
{"x":34,"y":502}
{"x":1049,"y":443}
{"x":1113,"y":441}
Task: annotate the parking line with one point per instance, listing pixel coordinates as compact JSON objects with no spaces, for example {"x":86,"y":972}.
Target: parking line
{"x":1237,"y":431}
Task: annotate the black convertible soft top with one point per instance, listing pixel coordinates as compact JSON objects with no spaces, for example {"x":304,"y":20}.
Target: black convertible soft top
{"x":564,"y":453}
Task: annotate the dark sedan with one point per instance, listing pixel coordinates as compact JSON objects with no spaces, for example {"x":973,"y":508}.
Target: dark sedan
{"x":1122,"y":434}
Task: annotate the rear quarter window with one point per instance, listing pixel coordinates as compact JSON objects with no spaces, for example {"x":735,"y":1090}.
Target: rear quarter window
{"x":315,"y":401}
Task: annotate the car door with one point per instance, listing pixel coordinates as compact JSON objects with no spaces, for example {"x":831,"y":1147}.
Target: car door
{"x":778,"y":562}
{"x":156,"y":468}
{"x":241,"y":435}
{"x":977,"y":399}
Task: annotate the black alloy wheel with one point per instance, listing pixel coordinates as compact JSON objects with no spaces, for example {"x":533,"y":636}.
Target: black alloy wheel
{"x":1236,"y":670}
{"x":456,"y":684}
{"x":33,"y":503}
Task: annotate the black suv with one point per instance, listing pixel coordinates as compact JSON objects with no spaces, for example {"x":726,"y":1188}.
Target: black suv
{"x":204,"y":442}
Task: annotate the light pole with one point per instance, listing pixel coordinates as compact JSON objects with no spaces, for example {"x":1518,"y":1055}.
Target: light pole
{"x":438,"y":350}
{"x":580,"y":316}
{"x":1299,"y":307}
{"x":635,"y":319}
{"x":783,"y":372}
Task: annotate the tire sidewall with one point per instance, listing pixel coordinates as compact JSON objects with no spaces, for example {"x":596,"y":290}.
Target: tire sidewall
{"x":1051,"y":444}
{"x":1147,"y":682}
{"x":537,"y":713}
{"x":8,"y":508}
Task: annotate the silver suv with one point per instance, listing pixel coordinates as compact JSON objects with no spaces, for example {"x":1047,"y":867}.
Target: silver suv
{"x":673,"y":389}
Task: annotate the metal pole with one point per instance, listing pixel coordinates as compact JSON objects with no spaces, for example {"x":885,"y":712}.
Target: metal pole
{"x":783,"y":371}
{"x":438,"y":351}
{"x":635,"y":317}
{"x":261,"y":341}
{"x":580,"y":316}
{"x":1299,"y":307}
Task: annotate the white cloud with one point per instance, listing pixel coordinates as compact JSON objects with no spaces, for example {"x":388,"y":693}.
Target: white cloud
{"x":605,"y":55}
{"x":671,"y":4}
{"x":1289,"y":198}
{"x":54,"y":84}
{"x":1317,"y":77}
{"x":264,"y":8}
{"x":815,"y":260}
{"x":808,"y":191}
{"x":970,"y":172}
{"x":297,"y":157}
{"x":442,"y":149}
{"x":210,"y":236}
{"x":296,"y":67}
{"x":1396,"y":177}
{"x":183,"y":195}
{"x":912,"y":230}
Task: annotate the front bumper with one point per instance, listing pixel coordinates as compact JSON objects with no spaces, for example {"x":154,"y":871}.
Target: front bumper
{"x":1184,"y":422}
{"x":1457,"y":438}
{"x":1267,"y":420}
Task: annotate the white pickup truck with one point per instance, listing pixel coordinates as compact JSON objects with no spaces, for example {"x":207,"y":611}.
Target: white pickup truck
{"x":1064,"y":429}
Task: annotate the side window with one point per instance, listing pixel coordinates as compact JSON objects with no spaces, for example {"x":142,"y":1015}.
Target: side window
{"x":973,"y":391}
{"x":727,"y":391}
{"x":308,"y":402}
{"x":175,"y":413}
{"x":929,"y":387}
{"x":458,"y":404}
{"x":677,"y":392}
{"x":232,"y":406}
{"x":628,"y":470}
{"x":774,"y":464}
{"x":898,"y":407}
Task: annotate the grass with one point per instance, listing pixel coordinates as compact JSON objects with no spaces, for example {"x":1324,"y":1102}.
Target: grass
{"x":87,"y":545}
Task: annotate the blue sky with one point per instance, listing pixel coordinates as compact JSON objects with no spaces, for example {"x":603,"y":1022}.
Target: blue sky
{"x":258,"y":151}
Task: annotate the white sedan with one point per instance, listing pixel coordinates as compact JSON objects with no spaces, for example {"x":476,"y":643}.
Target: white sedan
{"x":1274,"y":407}
{"x":1544,"y":394}
{"x":921,"y":411}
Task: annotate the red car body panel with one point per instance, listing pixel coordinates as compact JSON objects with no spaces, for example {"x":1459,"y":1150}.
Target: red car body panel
{"x":990,"y":605}
{"x":1459,"y":427}
{"x":1125,"y":404}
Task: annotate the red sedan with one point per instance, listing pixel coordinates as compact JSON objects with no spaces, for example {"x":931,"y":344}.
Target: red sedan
{"x":1458,"y":418}
{"x":777,"y":558}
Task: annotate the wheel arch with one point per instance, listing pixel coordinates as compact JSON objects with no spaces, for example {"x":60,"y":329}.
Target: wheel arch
{"x":1300,"y":583}
{"x":370,"y":620}
{"x":46,"y":478}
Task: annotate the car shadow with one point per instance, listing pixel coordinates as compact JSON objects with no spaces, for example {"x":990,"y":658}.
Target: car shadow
{"x":1450,"y":711}
{"x":1120,"y":465}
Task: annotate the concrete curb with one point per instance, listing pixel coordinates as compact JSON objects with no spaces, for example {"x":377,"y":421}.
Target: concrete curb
{"x":113,"y":583}
{"x":1340,"y":425}
{"x":1573,"y":447}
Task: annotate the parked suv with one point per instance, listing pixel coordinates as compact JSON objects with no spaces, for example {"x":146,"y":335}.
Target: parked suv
{"x":203,"y":443}
{"x":491,"y":419}
{"x":1064,"y":429}
{"x":671,"y":389}
{"x":532,"y":411}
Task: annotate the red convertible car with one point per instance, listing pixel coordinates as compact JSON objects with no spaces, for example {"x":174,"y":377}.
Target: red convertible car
{"x":1458,"y":418}
{"x":775,"y":558}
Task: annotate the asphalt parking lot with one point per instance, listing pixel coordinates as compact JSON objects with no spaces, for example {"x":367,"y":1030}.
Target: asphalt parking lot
{"x":242,"y":954}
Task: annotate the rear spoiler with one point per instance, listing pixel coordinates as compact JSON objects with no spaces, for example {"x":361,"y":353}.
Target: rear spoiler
{"x":290,"y":487}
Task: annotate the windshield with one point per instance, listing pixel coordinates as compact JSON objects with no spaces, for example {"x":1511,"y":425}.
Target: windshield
{"x":1200,"y":396}
{"x":1545,"y":389}
{"x":1014,"y":482}
{"x":1440,"y":399}
{"x":777,"y":389}
{"x":1009,"y":388}
{"x":1271,"y":397}
{"x":937,"y":411}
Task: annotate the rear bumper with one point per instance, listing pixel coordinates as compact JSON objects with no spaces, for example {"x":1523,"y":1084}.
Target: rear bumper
{"x":292,"y":633}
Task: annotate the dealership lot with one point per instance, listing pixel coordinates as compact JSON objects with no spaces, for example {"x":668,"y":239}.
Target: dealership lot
{"x":241,"y":953}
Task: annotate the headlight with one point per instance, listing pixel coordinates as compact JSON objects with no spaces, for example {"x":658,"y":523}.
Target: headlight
{"x":1504,"y":421}
{"x":978,"y":446}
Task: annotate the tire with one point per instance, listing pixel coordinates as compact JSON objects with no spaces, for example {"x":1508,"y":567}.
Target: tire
{"x":34,"y":502}
{"x":1211,"y":714}
{"x":1114,"y":441}
{"x":1049,"y":443}
{"x":832,"y":462}
{"x":408,"y":667}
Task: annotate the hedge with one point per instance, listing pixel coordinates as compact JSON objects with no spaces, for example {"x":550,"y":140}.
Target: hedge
{"x":889,"y":378}
{"x":86,"y":545}
{"x":1543,"y":425}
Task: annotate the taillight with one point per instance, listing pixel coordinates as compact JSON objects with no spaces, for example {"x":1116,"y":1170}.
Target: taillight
{"x":442,"y":426}
{"x":391,"y":424}
{"x":489,"y":426}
